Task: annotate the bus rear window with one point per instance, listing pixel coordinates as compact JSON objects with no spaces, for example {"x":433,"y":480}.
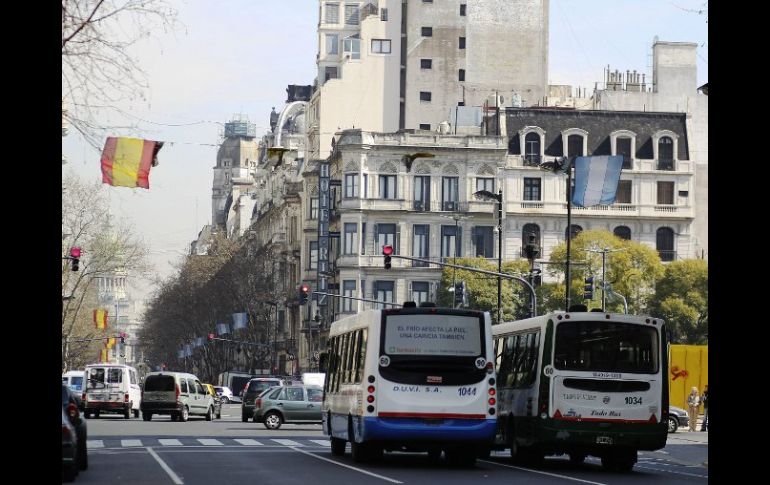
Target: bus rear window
{"x":606,"y":347}
{"x":444,"y":335}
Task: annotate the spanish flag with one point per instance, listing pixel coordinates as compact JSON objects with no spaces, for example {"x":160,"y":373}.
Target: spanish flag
{"x":126,"y":162}
{"x":100,"y":318}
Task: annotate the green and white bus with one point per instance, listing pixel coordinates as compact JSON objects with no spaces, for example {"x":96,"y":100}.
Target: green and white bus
{"x":582,"y":383}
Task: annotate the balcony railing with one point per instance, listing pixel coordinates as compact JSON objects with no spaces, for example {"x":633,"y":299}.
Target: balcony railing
{"x":532,"y":160}
{"x":667,"y":255}
{"x":450,"y":205}
{"x":421,"y":205}
{"x":665,"y":164}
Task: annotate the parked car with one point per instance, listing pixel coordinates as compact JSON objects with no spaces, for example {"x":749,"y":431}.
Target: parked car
{"x":289,"y":404}
{"x":177,"y":394}
{"x":76,"y":454}
{"x":224,"y":393}
{"x":217,"y":400}
{"x":253,"y":389}
{"x":677,"y":417}
{"x":111,"y":388}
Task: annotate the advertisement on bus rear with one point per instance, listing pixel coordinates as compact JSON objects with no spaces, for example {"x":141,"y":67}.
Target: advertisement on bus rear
{"x":445,"y":335}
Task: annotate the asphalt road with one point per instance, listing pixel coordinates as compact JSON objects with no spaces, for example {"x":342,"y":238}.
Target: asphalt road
{"x":229,"y":451}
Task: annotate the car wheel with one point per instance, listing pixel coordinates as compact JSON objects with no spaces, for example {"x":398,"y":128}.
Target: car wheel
{"x":244,"y":418}
{"x":210,"y":414}
{"x":127,"y":413}
{"x":225,"y":400}
{"x":338,"y":446}
{"x":136,"y":413}
{"x":219,"y":414}
{"x":96,"y":413}
{"x":146,"y":416}
{"x":673,"y":424}
{"x":577,"y":458}
{"x":70,"y":472}
{"x":273,"y":420}
{"x":185,"y":415}
{"x":83,"y":457}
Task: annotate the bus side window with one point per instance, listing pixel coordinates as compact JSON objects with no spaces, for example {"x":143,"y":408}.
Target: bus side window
{"x":361,"y":356}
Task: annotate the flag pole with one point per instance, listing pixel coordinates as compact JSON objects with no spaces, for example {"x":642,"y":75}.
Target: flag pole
{"x":569,"y":228}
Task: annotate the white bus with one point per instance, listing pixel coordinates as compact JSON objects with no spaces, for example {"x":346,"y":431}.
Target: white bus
{"x":582,"y":383}
{"x":411,"y":379}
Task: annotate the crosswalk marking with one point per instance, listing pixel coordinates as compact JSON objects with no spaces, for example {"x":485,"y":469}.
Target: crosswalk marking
{"x":247,"y":442}
{"x":322,"y":442}
{"x":288,"y":443}
{"x":210,"y":442}
{"x":130,"y":442}
{"x":170,"y":442}
{"x":94,"y":444}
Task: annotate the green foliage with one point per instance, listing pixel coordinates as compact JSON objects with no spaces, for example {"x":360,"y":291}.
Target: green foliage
{"x":681,"y":298}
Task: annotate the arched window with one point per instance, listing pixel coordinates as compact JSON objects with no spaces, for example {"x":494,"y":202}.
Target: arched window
{"x":623,"y":232}
{"x":527,"y":231}
{"x":575,"y":231}
{"x":665,"y":153}
{"x":664,"y":243}
{"x":532,"y":149}
{"x":575,"y":146}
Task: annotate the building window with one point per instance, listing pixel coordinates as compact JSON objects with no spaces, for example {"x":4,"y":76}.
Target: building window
{"x":461,"y":75}
{"x":330,"y":72}
{"x":531,"y":188}
{"x":387,"y":186}
{"x":332,"y":13}
{"x":427,"y":31}
{"x":420,"y":243}
{"x":451,"y":244}
{"x":351,"y":14}
{"x":314,"y":208}
{"x":462,"y":42}
{"x":575,"y":146}
{"x":348,"y":289}
{"x":575,"y":231}
{"x":384,"y":14}
{"x":623,"y":147}
{"x":313,"y":255}
{"x":422,"y":193}
{"x":351,"y":185}
{"x":426,"y":63}
{"x":425,"y":95}
{"x":352,"y":46}
{"x":425,"y":126}
{"x":332,"y":44}
{"x":363,"y":239}
{"x":623,"y":195}
{"x":483,"y":240}
{"x":366,"y":186}
{"x":381,"y":46}
{"x":450,"y":193}
{"x":532,"y":149}
{"x":350,"y":243}
{"x":386,"y":235}
{"x":462,"y":10}
{"x":666,"y":153}
{"x":666,"y":193}
{"x":383,"y":291}
{"x":427,"y":1}
{"x":664,"y":243}
{"x":485,"y":183}
{"x":420,"y":291}
{"x":623,"y":232}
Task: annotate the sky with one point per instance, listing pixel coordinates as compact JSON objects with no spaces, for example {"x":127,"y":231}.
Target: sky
{"x":237,"y":57}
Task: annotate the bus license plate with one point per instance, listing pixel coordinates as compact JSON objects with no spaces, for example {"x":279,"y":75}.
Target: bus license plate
{"x":603,"y":440}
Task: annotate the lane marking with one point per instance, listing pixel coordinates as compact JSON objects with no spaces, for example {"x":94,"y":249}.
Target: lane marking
{"x":677,"y":473}
{"x":209,"y":442}
{"x":322,"y":442}
{"x":247,"y":442}
{"x":391,"y":480}
{"x":174,"y":477}
{"x":288,"y":443}
{"x":127,"y":443}
{"x":170,"y":442}
{"x":543,"y":473}
{"x":94,"y":444}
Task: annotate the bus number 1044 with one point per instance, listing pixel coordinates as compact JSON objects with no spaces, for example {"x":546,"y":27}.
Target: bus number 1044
{"x":466,"y":391}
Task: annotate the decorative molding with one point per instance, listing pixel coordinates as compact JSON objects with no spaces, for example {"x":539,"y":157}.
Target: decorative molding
{"x":388,"y":167}
{"x":451,"y":169}
{"x":485,"y":169}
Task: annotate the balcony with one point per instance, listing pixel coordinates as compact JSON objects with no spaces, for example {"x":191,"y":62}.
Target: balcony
{"x":450,"y":205}
{"x":667,"y":255}
{"x":665,"y":164}
{"x":421,"y":205}
{"x":531,"y":160}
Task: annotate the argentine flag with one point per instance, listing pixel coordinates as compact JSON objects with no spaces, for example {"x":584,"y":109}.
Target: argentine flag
{"x":596,"y":180}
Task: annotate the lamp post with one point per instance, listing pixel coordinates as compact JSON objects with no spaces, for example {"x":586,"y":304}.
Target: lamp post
{"x":487,"y":195}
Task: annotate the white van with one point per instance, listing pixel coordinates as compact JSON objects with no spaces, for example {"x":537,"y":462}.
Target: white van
{"x":74,"y":380}
{"x":111,"y":388}
{"x":177,"y":394}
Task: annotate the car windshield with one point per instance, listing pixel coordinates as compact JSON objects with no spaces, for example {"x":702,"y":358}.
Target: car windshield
{"x":159,"y":383}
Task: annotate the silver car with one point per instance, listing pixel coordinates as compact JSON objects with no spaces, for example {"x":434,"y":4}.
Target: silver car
{"x":288,"y":404}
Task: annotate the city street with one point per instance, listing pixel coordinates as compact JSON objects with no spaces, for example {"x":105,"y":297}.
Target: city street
{"x":230,"y":451}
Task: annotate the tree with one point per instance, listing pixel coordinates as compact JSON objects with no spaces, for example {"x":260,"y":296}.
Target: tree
{"x":98,"y":70}
{"x":631,"y":271}
{"x":681,"y":299}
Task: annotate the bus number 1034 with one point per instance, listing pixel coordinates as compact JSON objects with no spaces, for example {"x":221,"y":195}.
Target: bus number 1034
{"x":633,"y":400}
{"x":467,"y":391}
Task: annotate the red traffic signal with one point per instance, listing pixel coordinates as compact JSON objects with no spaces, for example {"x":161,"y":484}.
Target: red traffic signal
{"x":303,"y":294}
{"x":387,"y":251}
{"x":211,"y":337}
{"x":75,"y":252}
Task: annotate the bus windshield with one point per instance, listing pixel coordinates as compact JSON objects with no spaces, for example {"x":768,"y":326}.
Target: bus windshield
{"x":606,"y":347}
{"x":425,"y":334}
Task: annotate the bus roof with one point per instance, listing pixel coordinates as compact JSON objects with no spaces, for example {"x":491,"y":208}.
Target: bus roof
{"x":575,"y":316}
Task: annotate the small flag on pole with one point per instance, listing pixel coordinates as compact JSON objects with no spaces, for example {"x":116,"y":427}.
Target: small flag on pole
{"x":223,"y":328}
{"x":100,"y":318}
{"x":198,"y":341}
{"x":126,"y":161}
{"x":180,"y":354}
{"x":240,"y":320}
{"x":187,"y":350}
{"x":596,"y":180}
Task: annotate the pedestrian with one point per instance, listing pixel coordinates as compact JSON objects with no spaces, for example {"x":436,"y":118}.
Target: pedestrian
{"x":693,"y":403}
{"x":704,"y":398}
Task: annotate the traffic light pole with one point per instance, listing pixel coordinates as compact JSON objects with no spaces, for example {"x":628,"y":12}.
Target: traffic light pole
{"x":239,"y":342}
{"x":356,"y":298}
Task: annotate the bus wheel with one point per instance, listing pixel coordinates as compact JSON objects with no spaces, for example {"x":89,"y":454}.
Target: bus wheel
{"x":359,"y":451}
{"x":484,"y":452}
{"x":577,"y":458}
{"x":461,"y":457}
{"x":338,"y":446}
{"x":434,"y":455}
{"x":621,"y":461}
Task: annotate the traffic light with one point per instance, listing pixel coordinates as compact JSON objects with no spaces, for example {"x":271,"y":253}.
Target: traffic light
{"x":459,"y":293}
{"x":123,"y":337}
{"x":588,"y":289}
{"x":75,"y":257}
{"x":387,"y":251}
{"x":211,"y":337}
{"x":303,"y":294}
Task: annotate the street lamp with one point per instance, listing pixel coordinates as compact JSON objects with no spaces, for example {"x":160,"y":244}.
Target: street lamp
{"x":487,"y":195}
